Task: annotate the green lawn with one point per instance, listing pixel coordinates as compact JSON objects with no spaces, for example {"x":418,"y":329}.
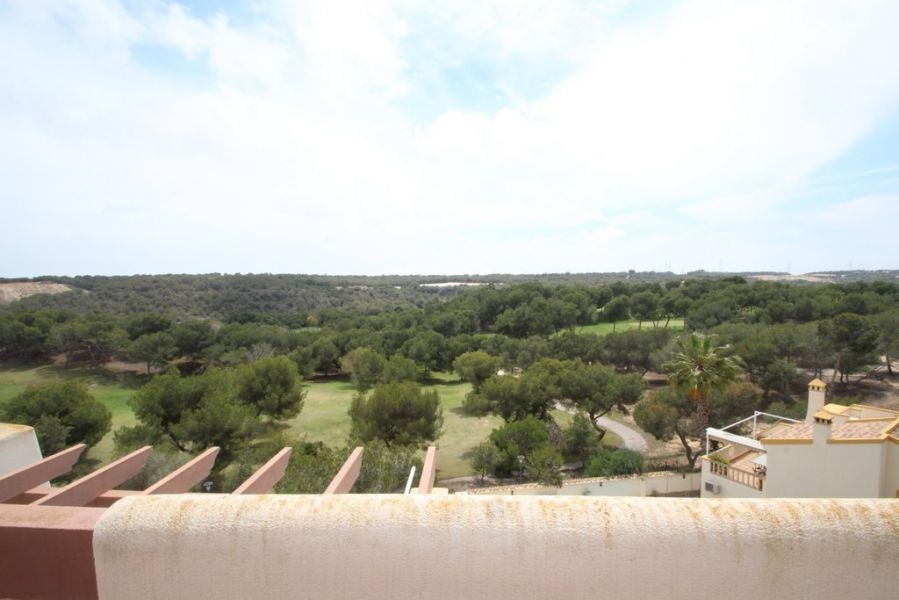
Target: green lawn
{"x":324,"y":417}
{"x":604,"y":328}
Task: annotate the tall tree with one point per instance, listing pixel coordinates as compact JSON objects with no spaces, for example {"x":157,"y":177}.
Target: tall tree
{"x":271,"y":387}
{"x":364,"y":366}
{"x":398,"y":413}
{"x":476,"y":367}
{"x":699,"y":368}
{"x":153,"y":349}
{"x":887,"y":325}
{"x":853,"y":341}
{"x":191,"y":413}
{"x":670,"y":412}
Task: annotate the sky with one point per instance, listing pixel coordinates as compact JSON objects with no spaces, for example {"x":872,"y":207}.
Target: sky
{"x":447,"y":137}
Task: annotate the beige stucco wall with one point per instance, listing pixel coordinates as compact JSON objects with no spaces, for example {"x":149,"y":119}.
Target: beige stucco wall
{"x":491,"y":547}
{"x":18,"y":447}
{"x":891,"y":486}
{"x":825,"y":470}
{"x":648,"y":484}
{"x":644,"y":485}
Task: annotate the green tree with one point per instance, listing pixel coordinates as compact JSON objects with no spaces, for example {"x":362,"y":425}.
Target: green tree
{"x":853,"y":341}
{"x":103,"y":338}
{"x":483,"y":458}
{"x":644,"y":306}
{"x":699,"y":368}
{"x":596,"y":390}
{"x":364,"y":366}
{"x":518,"y":438}
{"x":399,"y":368}
{"x":193,"y":337}
{"x":146,"y":323}
{"x":426,"y":348}
{"x":271,"y":386}
{"x":887,"y":326}
{"x":154,"y":349}
{"x":400,"y":414}
{"x":617,"y":309}
{"x":581,"y":441}
{"x":62,"y":414}
{"x":543,"y":466}
{"x":476,"y":367}
{"x":66,"y":339}
{"x":190,"y":413}
{"x":670,"y":412}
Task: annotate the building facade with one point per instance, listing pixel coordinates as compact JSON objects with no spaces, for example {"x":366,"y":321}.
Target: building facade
{"x":837,"y":452}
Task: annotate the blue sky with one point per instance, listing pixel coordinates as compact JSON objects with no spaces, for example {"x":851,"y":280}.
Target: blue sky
{"x":447,"y":137}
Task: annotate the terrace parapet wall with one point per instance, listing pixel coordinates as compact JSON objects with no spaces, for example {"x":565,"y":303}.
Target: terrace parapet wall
{"x":375,"y":546}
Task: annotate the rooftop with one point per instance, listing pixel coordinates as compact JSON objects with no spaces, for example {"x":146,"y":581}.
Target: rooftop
{"x":857,"y":422}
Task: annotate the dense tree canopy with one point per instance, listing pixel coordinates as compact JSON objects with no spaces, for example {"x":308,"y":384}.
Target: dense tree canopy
{"x":400,"y":414}
{"x":62,"y":413}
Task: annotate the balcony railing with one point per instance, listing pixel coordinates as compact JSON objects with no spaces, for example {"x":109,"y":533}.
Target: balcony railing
{"x":753,"y":480}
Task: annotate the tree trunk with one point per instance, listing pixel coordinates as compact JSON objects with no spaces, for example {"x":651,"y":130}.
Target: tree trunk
{"x":703,"y":412}
{"x":691,"y":454}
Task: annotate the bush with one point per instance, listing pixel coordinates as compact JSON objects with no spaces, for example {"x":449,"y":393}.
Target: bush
{"x":476,"y":405}
{"x":609,"y":463}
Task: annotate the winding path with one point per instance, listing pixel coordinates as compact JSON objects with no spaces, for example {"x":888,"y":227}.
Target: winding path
{"x":633,"y":439}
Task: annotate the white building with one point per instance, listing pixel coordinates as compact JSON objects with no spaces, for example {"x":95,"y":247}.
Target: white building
{"x":837,"y":452}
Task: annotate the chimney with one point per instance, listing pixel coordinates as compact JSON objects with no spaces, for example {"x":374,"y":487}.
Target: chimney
{"x":821,"y":428}
{"x":817,"y":392}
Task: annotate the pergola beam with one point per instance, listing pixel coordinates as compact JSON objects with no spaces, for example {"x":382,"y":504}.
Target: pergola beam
{"x":428,"y":471}
{"x":30,"y":476}
{"x":187,"y":476}
{"x":82,"y":491}
{"x":269,"y":474}
{"x":347,"y":475}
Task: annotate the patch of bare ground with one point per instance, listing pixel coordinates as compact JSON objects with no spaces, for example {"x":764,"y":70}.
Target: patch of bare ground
{"x":810,"y":277}
{"x":10,"y":292}
{"x":882,"y":391}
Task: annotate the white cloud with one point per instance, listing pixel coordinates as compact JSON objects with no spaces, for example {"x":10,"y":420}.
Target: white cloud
{"x":297,"y":152}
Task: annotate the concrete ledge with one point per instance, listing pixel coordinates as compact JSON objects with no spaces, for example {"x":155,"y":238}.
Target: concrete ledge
{"x":372,"y":547}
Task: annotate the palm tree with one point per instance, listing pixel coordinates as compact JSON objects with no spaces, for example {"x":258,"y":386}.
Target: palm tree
{"x":699,"y":368}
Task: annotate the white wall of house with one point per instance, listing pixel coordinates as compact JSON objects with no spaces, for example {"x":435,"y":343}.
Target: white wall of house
{"x":18,"y":447}
{"x":891,"y":479}
{"x":825,"y":470}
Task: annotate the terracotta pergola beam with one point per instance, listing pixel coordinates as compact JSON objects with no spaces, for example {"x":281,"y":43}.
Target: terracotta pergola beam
{"x":428,"y":471}
{"x":348,"y":474}
{"x":82,"y":491}
{"x":186,"y":476}
{"x":269,"y":474}
{"x":30,"y":476}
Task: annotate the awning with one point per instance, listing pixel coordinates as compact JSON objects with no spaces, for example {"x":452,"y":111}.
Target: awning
{"x":718,"y":434}
{"x":761,"y":459}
